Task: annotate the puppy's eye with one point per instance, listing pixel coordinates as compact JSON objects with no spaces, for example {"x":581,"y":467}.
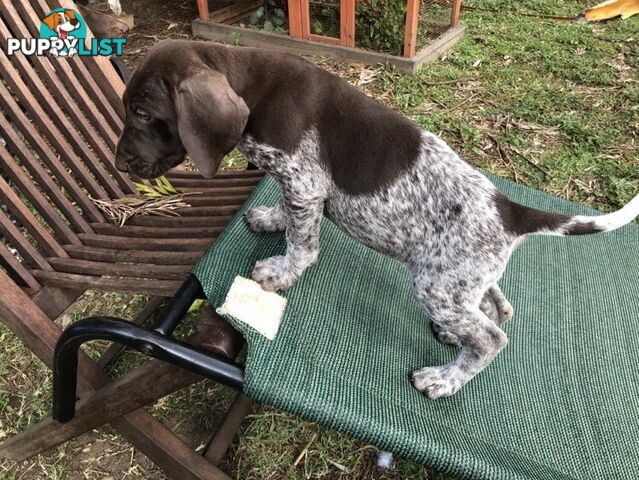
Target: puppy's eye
{"x":141,"y":114}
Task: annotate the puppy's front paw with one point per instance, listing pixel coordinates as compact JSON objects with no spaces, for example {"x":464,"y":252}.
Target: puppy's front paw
{"x":437,"y":382}
{"x":265,"y":219}
{"x":274,"y":273}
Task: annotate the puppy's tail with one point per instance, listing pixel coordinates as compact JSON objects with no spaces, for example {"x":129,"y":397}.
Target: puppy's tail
{"x":522,"y":220}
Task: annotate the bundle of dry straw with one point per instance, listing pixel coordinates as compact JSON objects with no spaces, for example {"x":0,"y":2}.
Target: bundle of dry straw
{"x":162,"y":200}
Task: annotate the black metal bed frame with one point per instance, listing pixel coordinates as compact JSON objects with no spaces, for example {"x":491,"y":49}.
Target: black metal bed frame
{"x":156,"y":342}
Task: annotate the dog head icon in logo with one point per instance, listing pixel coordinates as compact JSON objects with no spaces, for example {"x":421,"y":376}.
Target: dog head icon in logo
{"x":67,"y":27}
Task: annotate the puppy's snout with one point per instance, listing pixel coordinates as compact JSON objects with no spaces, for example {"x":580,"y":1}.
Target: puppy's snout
{"x":121,"y":165}
{"x":74,"y":21}
{"x":122,"y":158}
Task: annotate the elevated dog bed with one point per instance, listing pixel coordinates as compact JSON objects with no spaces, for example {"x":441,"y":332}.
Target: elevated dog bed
{"x":560,"y":402}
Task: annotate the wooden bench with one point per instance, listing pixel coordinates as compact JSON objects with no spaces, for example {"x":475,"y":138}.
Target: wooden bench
{"x":60,"y":120}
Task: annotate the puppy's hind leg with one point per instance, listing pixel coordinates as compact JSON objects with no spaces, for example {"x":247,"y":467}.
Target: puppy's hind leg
{"x":267,"y":219}
{"x":479,"y":337}
{"x":493,"y":304}
{"x":505,"y":310}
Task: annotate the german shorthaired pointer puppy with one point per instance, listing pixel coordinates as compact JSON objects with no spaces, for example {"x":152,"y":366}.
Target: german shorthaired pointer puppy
{"x":382,"y":179}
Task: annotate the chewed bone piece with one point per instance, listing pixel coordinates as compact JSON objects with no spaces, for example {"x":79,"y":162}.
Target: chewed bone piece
{"x":259,"y":309}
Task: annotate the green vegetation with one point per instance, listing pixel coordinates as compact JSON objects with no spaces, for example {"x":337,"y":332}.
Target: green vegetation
{"x":379,"y":25}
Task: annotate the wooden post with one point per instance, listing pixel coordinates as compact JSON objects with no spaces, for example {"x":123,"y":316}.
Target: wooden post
{"x":347,"y":23}
{"x":295,"y":18}
{"x":305,"y":18}
{"x":410,"y":32}
{"x":203,"y":9}
{"x":454,"y":17}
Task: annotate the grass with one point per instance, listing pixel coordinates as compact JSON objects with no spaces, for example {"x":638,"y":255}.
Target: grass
{"x":553,"y":105}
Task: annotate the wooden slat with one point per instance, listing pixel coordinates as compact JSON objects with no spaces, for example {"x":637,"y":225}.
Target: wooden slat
{"x":212,"y":210}
{"x":29,"y":221}
{"x":213,"y":191}
{"x":234,"y":11}
{"x":219,"y":443}
{"x":43,"y":179}
{"x":95,"y":88}
{"x":208,"y":200}
{"x":12,"y":263}
{"x":305,"y":17}
{"x":454,"y":17}
{"x":63,"y":141}
{"x":32,"y":193}
{"x":156,"y":257}
{"x":103,"y":73}
{"x":54,"y":301}
{"x":147,"y":434}
{"x":347,"y":23}
{"x":221,"y":191}
{"x":49,"y":158}
{"x":87,"y":267}
{"x":145,"y":384}
{"x":52,"y":79}
{"x":203,"y":9}
{"x":178,"y":173}
{"x":410,"y":30}
{"x":216,"y":182}
{"x":83,"y":99}
{"x":324,"y":39}
{"x":139,"y":387}
{"x":157,"y":232}
{"x":51,"y":104}
{"x":179,"y":222}
{"x":295,"y":18}
{"x":18,"y":240}
{"x":4,"y":266}
{"x":164,"y":288}
{"x":162,"y":244}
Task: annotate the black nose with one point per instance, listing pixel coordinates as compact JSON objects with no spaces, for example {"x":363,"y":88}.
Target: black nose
{"x":121,"y":164}
{"x":74,"y":21}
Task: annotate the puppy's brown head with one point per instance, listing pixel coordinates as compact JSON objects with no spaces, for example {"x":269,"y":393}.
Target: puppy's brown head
{"x":176,"y":104}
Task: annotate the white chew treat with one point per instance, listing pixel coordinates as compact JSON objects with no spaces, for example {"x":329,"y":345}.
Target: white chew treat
{"x":248,"y":303}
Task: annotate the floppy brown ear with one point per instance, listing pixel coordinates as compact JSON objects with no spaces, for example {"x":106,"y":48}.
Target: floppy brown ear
{"x":211,"y":119}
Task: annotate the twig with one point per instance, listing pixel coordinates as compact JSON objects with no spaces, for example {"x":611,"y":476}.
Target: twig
{"x":301,"y":455}
{"x":466,"y":100}
{"x":120,"y":210}
{"x":448,"y":82}
{"x":531,"y":161}
{"x":503,"y":156}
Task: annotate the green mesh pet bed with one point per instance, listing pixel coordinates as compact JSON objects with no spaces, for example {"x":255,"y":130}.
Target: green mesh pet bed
{"x":560,"y":402}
